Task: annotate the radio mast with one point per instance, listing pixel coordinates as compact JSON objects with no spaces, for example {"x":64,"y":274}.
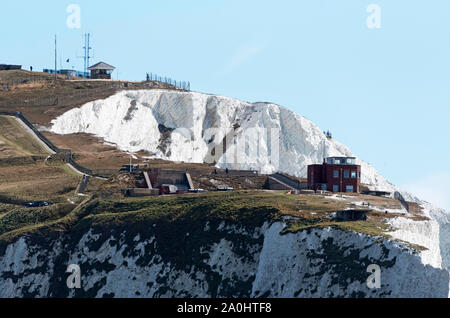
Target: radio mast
{"x":87,"y":51}
{"x":56,"y":59}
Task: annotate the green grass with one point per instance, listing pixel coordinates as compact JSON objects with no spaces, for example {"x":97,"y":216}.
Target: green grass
{"x":45,"y":227}
{"x":235,"y":206}
{"x":4,"y":208}
{"x":22,"y":217}
{"x":180,"y":213}
{"x":69,"y":171}
{"x":374,"y":228}
{"x":132,"y":212}
{"x":14,"y":135}
{"x":250,"y":208}
{"x":24,"y":177}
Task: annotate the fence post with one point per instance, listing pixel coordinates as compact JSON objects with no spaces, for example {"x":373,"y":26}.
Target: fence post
{"x":184,"y":85}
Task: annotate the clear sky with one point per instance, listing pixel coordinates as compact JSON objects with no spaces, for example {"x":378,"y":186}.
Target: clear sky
{"x":384,"y":92}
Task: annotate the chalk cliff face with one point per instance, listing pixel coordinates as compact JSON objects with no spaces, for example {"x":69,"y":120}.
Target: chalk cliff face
{"x":216,"y":259}
{"x":182,"y":126}
{"x":173,"y":125}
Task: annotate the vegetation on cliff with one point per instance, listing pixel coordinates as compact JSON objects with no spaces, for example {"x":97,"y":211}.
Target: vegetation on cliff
{"x":249,"y":208}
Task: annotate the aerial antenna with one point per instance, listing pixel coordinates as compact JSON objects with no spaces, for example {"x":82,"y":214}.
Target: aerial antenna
{"x":56,"y":59}
{"x":87,"y":51}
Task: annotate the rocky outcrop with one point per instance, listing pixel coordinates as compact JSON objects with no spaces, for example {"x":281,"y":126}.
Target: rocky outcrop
{"x":216,"y":259}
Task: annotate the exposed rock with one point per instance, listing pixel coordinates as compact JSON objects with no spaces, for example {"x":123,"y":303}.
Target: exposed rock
{"x":217,"y":260}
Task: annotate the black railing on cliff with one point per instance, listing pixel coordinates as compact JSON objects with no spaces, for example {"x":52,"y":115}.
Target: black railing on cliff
{"x":68,"y":155}
{"x":164,"y":79}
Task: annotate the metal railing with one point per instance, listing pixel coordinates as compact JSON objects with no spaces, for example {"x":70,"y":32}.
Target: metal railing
{"x":164,"y":79}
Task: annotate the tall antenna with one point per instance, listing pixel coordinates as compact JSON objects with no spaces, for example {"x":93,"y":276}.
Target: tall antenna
{"x":56,"y":59}
{"x":84,"y":55}
{"x":87,"y":51}
{"x":90,"y":48}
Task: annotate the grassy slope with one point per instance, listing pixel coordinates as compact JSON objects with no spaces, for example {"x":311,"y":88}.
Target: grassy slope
{"x":40,"y":98}
{"x":25,"y":175}
{"x":183,"y":212}
{"x":17,"y":142}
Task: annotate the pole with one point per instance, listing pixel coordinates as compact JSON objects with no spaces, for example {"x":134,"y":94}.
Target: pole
{"x":88,"y":49}
{"x":56,"y":58}
{"x":85,"y":46}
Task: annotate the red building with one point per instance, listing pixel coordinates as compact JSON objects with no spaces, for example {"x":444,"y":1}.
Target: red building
{"x":336,"y":174}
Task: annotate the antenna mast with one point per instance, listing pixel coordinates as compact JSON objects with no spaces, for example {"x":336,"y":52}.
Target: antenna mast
{"x":87,"y":51}
{"x":56,"y":58}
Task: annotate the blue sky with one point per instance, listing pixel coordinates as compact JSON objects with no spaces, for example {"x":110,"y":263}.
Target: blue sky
{"x":382,"y":92}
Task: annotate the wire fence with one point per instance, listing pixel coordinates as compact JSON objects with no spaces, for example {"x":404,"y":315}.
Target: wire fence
{"x":51,"y":91}
{"x":164,"y":79}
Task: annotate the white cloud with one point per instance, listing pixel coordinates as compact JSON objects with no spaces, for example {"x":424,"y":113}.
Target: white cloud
{"x":434,"y":188}
{"x":240,"y":56}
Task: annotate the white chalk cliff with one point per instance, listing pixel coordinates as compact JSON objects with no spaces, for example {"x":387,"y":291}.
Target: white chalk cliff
{"x":182,"y":126}
{"x":235,"y":261}
{"x":136,"y":120}
{"x":140,"y":120}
